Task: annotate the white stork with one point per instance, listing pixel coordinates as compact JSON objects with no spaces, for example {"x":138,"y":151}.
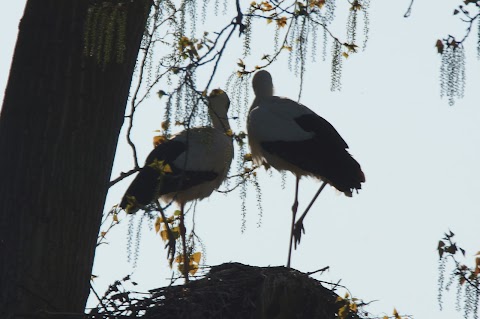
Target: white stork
{"x":198,"y":159}
{"x":289,"y":136}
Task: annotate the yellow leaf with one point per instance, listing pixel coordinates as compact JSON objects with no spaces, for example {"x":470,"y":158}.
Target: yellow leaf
{"x":103,"y":233}
{"x":159,"y":139}
{"x":179,"y":259}
{"x":192,"y":269}
{"x":177,"y":213}
{"x":343,"y":312}
{"x":289,"y":48}
{"x":164,"y":235}
{"x":318,"y":3}
{"x":356,"y":6}
{"x":160,"y":166}
{"x":282,"y":22}
{"x":161,"y":93}
{"x":247,"y":157}
{"x":229,"y":132}
{"x":180,"y":268}
{"x":269,"y":21}
{"x":129,"y":208}
{"x":167,"y":169}
{"x":115,"y":217}
{"x":196,"y":257}
{"x":176,"y":232}
{"x":266,"y":6}
{"x":395,"y":314}
{"x":353,"y":307}
{"x":165,"y":125}
{"x":158,"y":223}
{"x":439,"y":45}
{"x":131,"y":204}
{"x":345,"y":55}
{"x":183,"y":43}
{"x":241,"y":64}
{"x":339,"y":299}
{"x":477,"y":267}
{"x":156,"y":164}
{"x":351,"y":47}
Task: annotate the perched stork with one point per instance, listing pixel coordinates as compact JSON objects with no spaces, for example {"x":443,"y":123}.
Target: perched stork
{"x":198,"y":161}
{"x":289,"y":136}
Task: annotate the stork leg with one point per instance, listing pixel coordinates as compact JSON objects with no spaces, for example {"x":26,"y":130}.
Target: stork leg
{"x":294,"y":215}
{"x":171,"y":238}
{"x":298,"y":227}
{"x":183,"y":233}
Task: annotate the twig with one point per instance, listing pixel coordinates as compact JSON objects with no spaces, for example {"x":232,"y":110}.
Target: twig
{"x":409,"y":10}
{"x":320,"y":270}
{"x":123,"y":175}
{"x":220,"y":54}
{"x":98,"y":298}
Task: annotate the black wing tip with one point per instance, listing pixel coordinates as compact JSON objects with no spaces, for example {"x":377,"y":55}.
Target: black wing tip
{"x":123,"y":203}
{"x":351,"y":186}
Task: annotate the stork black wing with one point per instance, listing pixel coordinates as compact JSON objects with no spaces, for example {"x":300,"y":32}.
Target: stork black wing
{"x":322,"y":129}
{"x":324,"y":155}
{"x":150,"y":183}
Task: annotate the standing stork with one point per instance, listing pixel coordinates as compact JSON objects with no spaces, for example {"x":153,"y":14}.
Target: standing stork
{"x":289,"y":136}
{"x":198,"y":161}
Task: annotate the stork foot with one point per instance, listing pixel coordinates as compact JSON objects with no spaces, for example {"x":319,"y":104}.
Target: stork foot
{"x":171,"y":240}
{"x":298,"y":229}
{"x":170,"y":246}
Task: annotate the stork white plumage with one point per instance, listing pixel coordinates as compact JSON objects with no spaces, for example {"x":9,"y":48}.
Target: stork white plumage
{"x":289,"y":136}
{"x":198,"y":161}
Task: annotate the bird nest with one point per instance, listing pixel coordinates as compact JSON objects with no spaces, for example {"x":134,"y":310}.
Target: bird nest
{"x":233,"y":290}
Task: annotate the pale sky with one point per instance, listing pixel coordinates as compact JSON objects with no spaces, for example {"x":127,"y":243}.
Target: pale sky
{"x":420,"y":157}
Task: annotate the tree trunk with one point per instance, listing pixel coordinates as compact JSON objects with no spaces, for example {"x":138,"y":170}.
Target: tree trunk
{"x":59,"y":127}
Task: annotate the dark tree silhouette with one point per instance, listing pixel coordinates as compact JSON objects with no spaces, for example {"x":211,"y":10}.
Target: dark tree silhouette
{"x":59,"y":127}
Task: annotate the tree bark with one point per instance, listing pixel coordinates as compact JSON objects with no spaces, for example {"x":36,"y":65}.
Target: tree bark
{"x":59,"y":127}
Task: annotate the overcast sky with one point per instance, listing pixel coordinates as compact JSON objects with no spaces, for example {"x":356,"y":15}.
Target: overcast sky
{"x":420,"y":157}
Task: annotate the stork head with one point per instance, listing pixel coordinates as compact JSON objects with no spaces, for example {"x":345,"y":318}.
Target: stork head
{"x":262,"y":84}
{"x":218,"y":104}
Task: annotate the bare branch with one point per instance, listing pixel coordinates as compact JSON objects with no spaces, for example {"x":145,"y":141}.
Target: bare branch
{"x":409,"y":10}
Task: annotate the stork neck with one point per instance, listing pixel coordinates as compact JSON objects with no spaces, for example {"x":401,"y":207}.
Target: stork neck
{"x":220,"y":122}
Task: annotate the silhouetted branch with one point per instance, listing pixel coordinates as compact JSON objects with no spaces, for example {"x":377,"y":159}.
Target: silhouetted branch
{"x":123,"y":176}
{"x":409,"y":10}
